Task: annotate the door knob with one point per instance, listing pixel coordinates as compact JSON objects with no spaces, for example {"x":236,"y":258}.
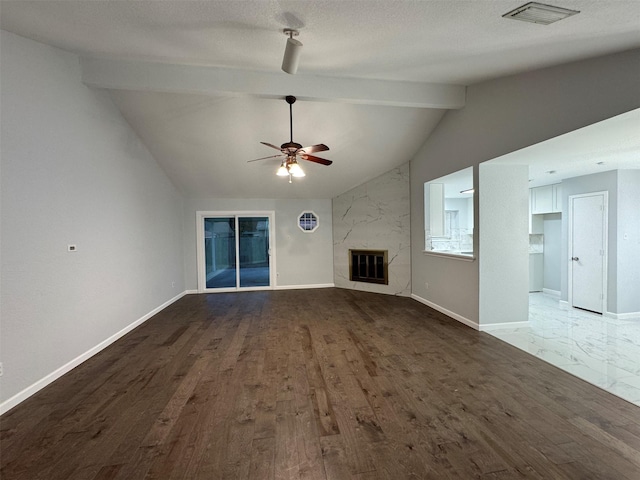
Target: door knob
{"x":575,"y":259}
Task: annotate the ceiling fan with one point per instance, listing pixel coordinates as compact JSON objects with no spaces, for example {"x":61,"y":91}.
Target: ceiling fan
{"x":291,"y":151}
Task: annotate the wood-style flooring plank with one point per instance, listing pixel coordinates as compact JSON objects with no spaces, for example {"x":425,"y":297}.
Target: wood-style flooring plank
{"x":317,"y":384}
{"x":286,"y":463}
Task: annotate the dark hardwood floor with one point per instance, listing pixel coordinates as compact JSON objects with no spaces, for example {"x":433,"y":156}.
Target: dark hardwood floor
{"x":316,"y":384}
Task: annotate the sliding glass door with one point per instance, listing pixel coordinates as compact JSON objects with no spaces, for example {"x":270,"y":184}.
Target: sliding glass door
{"x":234,"y":251}
{"x":253,"y":246}
{"x":220,"y":252}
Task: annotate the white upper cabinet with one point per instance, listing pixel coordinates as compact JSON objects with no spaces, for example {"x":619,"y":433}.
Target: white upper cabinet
{"x":542,"y":199}
{"x":547,"y":199}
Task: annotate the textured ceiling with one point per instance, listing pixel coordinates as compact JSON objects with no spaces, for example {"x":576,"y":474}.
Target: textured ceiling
{"x":203,"y":142}
{"x":447,"y":41}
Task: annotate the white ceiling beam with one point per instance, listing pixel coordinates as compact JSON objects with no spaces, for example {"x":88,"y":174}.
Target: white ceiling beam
{"x":147,"y":76}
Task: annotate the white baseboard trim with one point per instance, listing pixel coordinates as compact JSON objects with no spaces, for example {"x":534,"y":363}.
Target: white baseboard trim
{"x":623,"y":316}
{"x":616,"y":316}
{"x":449,"y":313}
{"x":277,"y":287}
{"x":499,"y":326}
{"x":301,"y":287}
{"x":43,"y":382}
{"x":548,"y":291}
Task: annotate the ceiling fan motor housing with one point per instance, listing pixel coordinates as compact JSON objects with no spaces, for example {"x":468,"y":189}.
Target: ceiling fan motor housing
{"x":290,"y":147}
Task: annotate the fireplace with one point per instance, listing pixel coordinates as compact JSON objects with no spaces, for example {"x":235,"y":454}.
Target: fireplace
{"x":368,"y":266}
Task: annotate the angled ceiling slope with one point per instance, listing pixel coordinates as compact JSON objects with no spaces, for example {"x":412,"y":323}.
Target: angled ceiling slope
{"x":200,"y":81}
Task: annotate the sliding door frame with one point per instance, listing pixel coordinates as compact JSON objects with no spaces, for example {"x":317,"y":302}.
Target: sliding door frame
{"x":200,"y":246}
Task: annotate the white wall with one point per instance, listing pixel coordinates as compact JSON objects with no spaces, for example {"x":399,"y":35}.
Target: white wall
{"x":502,"y":116}
{"x":302,"y":259}
{"x":628,"y":250}
{"x":375,"y":216}
{"x":73,"y":172}
{"x":504,"y":241}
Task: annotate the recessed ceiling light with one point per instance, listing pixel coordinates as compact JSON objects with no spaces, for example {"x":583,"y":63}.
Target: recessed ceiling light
{"x":539,"y":13}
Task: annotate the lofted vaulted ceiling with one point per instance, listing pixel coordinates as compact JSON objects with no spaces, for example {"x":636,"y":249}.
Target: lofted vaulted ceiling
{"x":200,"y":81}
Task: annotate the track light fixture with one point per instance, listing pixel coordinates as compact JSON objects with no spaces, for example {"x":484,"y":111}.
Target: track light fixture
{"x":291,"y":52}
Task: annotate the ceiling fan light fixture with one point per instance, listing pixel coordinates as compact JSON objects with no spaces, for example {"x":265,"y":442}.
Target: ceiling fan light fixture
{"x":291,"y":151}
{"x":295,"y":170}
{"x":291,"y":52}
{"x":282,"y":171}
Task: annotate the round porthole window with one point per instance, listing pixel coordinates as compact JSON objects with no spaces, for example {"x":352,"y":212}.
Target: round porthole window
{"x":308,"y":222}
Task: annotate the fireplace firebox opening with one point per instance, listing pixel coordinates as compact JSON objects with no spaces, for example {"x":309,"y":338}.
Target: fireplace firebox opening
{"x":368,"y":266}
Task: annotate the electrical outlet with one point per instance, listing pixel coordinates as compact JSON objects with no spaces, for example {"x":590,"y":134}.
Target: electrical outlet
{"x":426,"y":285}
{"x":173,"y":284}
{"x":1,"y":369}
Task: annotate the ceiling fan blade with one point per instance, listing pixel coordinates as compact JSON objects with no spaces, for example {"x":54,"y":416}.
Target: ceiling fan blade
{"x":270,"y":145}
{"x":313,"y":158}
{"x":321,"y":147}
{"x":265,"y":158}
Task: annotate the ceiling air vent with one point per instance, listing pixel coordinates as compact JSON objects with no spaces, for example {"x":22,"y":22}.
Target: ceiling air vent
{"x":539,"y":13}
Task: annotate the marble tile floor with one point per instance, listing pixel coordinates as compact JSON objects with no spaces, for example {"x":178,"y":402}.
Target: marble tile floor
{"x":602,"y":351}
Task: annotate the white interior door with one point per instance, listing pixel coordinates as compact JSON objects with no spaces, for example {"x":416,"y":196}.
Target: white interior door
{"x":587,"y":251}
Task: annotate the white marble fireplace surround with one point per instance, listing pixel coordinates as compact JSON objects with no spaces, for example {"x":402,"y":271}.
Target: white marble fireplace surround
{"x":375,"y":216}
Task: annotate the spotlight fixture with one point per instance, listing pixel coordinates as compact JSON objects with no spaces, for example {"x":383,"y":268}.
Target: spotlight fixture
{"x":291,"y":52}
